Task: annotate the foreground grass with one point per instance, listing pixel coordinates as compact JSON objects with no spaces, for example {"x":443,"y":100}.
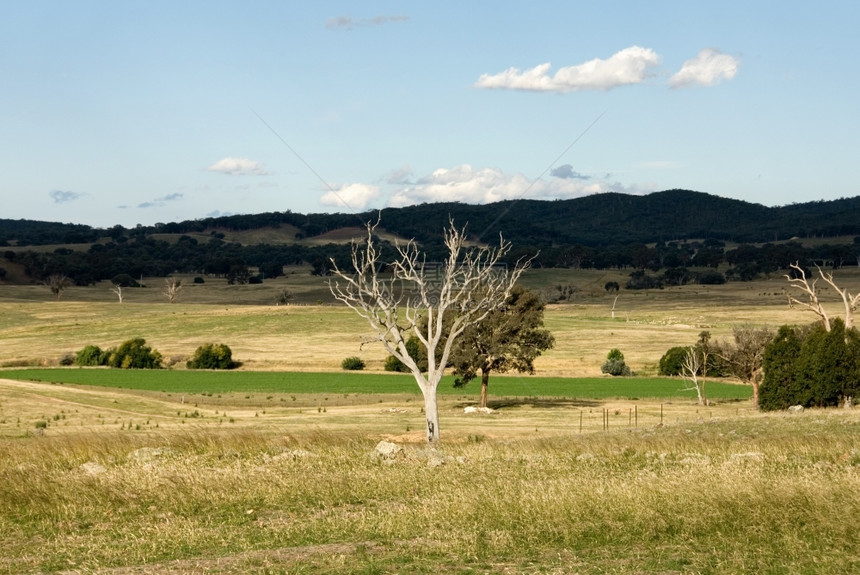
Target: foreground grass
{"x":770,"y":494}
{"x":376,"y":383}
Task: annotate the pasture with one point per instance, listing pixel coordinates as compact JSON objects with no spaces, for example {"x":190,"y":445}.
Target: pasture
{"x":270,"y":469}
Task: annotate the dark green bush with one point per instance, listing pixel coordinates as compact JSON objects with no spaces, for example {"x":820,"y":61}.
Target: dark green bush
{"x":352,"y":364}
{"x":672,"y":361}
{"x":212,"y":356}
{"x":91,"y":355}
{"x":812,"y":368}
{"x":413,"y":347}
{"x":134,"y":354}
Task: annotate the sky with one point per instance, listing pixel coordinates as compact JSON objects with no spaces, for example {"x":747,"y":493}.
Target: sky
{"x":143,"y":112}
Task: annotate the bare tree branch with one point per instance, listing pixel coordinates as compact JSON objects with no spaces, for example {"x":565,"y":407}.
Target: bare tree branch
{"x":394,"y":302}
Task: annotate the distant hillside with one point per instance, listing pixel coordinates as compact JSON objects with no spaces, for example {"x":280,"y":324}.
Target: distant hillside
{"x":596,"y":221}
{"x":670,"y":237}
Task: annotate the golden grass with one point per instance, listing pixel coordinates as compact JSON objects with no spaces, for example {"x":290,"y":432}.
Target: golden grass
{"x":725,"y":495}
{"x":318,"y":337}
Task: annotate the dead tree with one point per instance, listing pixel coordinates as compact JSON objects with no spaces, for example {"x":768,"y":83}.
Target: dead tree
{"x":812,"y":302}
{"x":172,"y":287}
{"x":691,"y":366}
{"x":117,"y":289}
{"x":394,"y":302}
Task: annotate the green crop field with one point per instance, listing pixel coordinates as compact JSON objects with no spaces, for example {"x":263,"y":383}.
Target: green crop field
{"x":186,"y":381}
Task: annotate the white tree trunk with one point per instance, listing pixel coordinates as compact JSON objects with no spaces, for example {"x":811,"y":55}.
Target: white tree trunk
{"x":431,"y":413}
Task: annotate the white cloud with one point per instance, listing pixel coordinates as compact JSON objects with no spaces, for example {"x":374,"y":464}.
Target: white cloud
{"x":708,"y":68}
{"x":351,"y":196}
{"x":238,"y":166}
{"x":486,"y":185}
{"x":632,"y":65}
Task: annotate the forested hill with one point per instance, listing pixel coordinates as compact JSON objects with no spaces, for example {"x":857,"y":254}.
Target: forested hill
{"x":597,"y":220}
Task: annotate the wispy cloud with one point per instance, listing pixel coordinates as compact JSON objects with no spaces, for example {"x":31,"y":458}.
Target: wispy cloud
{"x":708,"y":68}
{"x":63,"y":196}
{"x":349,"y":23}
{"x":158,"y":202}
{"x":632,"y":65}
{"x":238,"y":167}
{"x":351,"y":196}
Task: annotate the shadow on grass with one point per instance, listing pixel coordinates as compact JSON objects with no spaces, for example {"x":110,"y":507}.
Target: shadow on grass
{"x":544,"y":402}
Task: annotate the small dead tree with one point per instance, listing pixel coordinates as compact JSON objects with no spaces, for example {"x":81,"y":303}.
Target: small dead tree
{"x":812,"y":303}
{"x":172,"y":287}
{"x":691,"y":367}
{"x":57,"y":283}
{"x":393,"y":303}
{"x":117,"y":289}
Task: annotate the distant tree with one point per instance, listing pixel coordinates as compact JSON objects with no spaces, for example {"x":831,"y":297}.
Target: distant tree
{"x":691,"y":368}
{"x":2,"y":274}
{"x":124,"y":280}
{"x":744,"y":357}
{"x":672,"y":361}
{"x":134,"y":354}
{"x":238,"y":274}
{"x":611,"y":286}
{"x":271,"y":269}
{"x":172,"y":287}
{"x":413,"y":348}
{"x":798,"y":279}
{"x":614,"y":364}
{"x":212,"y":356}
{"x":58,"y":283}
{"x":117,"y":289}
{"x":509,"y":338}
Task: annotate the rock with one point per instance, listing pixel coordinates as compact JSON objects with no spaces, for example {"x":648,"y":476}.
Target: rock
{"x":795,"y":409}
{"x":473,"y":409}
{"x":92,"y":468}
{"x":387,"y":451}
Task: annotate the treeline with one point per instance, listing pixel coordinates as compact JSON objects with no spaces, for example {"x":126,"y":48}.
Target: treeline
{"x":648,"y":235}
{"x":594,"y":221}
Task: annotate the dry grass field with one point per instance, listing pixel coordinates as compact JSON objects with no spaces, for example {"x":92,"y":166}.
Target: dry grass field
{"x":316,"y":333}
{"x":135,"y":482}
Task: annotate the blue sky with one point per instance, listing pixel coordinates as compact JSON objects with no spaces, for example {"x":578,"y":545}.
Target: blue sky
{"x":136,"y":113}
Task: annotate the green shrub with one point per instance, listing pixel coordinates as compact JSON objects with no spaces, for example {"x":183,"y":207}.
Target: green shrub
{"x":352,"y":364}
{"x":614,"y":364}
{"x":91,"y":355}
{"x":212,"y":356}
{"x":134,"y":354}
{"x":413,"y":347}
{"x":672,"y":361}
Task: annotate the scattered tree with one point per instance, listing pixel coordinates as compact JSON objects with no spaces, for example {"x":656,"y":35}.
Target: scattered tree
{"x":91,"y":356}
{"x":212,"y":356}
{"x":58,"y":283}
{"x":172,"y":287}
{"x":510,"y":337}
{"x":614,"y":364}
{"x":744,"y":357}
{"x":117,"y":289}
{"x":134,"y":354}
{"x":352,"y":364}
{"x":691,"y":367}
{"x":799,"y":280}
{"x":394,"y":303}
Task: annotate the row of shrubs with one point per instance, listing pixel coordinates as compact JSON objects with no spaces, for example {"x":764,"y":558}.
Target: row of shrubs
{"x":136,"y":354}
